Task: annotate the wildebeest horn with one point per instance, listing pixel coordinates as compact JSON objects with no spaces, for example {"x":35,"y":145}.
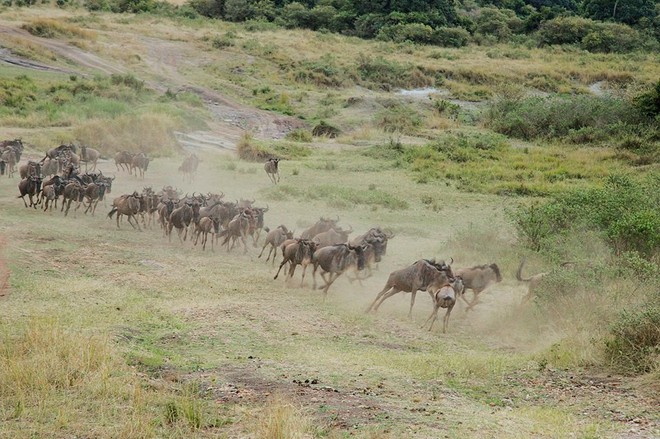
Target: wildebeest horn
{"x":266,"y":208}
{"x":451,"y":261}
{"x":349,"y":231}
{"x":252,"y":202}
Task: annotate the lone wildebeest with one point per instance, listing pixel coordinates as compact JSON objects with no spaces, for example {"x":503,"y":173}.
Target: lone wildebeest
{"x":272,"y":169}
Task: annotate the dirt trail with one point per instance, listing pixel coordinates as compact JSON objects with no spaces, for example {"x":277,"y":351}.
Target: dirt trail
{"x":164,"y":60}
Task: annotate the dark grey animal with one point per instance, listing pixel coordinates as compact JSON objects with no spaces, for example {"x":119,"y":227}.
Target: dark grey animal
{"x":275,"y":238}
{"x":297,"y":252}
{"x":237,"y":228}
{"x":29,"y":186}
{"x":30,"y":169}
{"x":331,"y":237}
{"x":9,"y":158}
{"x":322,"y":225}
{"x":335,"y":260}
{"x":72,"y":192}
{"x":89,"y":155}
{"x":123,"y":160}
{"x":477,"y":279}
{"x":140,"y":163}
{"x":445,"y":297}
{"x":180,"y":218}
{"x":189,"y":167}
{"x":272,"y":169}
{"x":423,"y":275}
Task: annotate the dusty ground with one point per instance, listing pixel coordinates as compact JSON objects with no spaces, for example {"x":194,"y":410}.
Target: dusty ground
{"x":608,"y":398}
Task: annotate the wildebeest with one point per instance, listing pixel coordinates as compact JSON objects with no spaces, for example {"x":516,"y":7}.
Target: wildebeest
{"x":16,"y":145}
{"x":29,"y":186}
{"x":237,"y":228}
{"x":128,"y":205}
{"x":477,"y":279}
{"x":189,"y":167}
{"x":331,"y":236}
{"x":334,"y":260}
{"x":423,"y":275}
{"x":180,"y":218}
{"x":445,"y":297}
{"x":61,"y":150}
{"x":535,"y":281}
{"x":257,"y":225}
{"x":297,"y":252}
{"x":94,"y":192}
{"x":30,"y":169}
{"x":123,"y":160}
{"x":72,"y":192}
{"x":49,"y":197}
{"x":205,"y":226}
{"x":89,"y":155}
{"x":275,"y":238}
{"x":322,"y":225}
{"x":9,"y":158}
{"x":272,"y":169}
{"x":377,"y":241}
{"x":139,"y":163}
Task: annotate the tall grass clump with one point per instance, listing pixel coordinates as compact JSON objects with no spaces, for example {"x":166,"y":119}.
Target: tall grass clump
{"x":383,"y":74}
{"x":50,"y":28}
{"x":282,"y":419}
{"x":251,"y":150}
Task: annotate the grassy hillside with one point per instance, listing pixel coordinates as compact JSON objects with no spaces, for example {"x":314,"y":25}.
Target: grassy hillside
{"x":121,"y":334}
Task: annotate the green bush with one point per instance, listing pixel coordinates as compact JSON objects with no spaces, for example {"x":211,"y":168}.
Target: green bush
{"x":558,"y":116}
{"x":400,"y":32}
{"x":633,"y":345}
{"x":385,"y":74}
{"x":611,"y":37}
{"x":565,"y":30}
{"x":450,"y":37}
{"x":624,"y":212}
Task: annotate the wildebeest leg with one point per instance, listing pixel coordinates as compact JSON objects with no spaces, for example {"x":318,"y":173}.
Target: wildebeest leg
{"x":262,"y":251}
{"x":304,"y":268}
{"x":474,"y":301}
{"x":412,"y":302}
{"x":329,"y":282}
{"x":281,"y":265}
{"x":244,"y":243}
{"x":137,"y":223}
{"x":378,"y":296}
{"x":445,"y":320}
{"x":434,"y":315}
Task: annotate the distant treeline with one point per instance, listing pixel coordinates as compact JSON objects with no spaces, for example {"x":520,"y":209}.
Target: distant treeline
{"x":594,"y":25}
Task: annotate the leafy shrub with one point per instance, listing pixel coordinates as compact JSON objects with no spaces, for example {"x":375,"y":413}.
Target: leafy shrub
{"x":299,"y":135}
{"x":633,"y":345}
{"x":400,"y":32}
{"x":322,"y":72}
{"x":324,"y":129}
{"x":292,"y":150}
{"x":565,"y":30}
{"x":611,"y":37}
{"x":624,"y":212}
{"x":557,"y":116}
{"x":450,"y":37}
{"x":649,"y":102}
{"x":384,"y":74}
{"x":398,"y":118}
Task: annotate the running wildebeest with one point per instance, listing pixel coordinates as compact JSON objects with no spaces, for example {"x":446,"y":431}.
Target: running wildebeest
{"x":423,"y":275}
{"x":477,"y":279}
{"x":272,"y":169}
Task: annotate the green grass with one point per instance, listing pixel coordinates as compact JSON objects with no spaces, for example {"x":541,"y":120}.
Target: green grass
{"x":146,"y":338}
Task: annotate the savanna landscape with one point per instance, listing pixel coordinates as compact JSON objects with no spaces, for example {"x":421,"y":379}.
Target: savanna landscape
{"x":484,"y":135}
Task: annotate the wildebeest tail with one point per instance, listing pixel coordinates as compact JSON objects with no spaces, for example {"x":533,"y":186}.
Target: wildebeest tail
{"x":519,"y":272}
{"x":112,"y":212}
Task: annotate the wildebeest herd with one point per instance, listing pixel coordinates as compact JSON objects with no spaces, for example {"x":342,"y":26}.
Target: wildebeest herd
{"x":325,"y":246}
